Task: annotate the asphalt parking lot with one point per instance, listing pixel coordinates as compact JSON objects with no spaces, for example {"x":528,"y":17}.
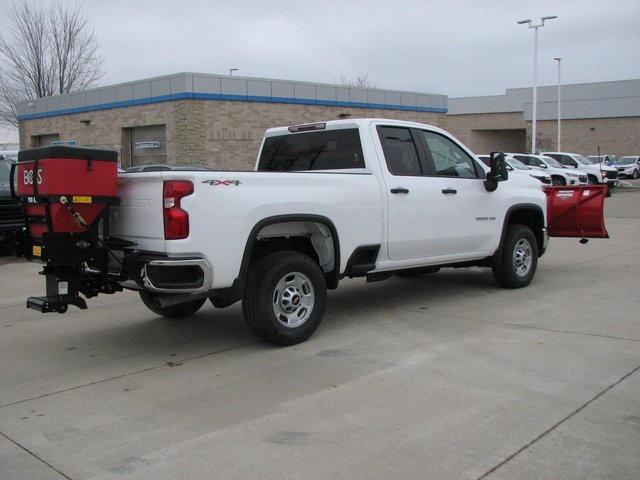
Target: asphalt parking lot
{"x":446,"y":376}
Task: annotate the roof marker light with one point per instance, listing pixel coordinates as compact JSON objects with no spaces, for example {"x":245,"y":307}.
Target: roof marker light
{"x":308,"y":127}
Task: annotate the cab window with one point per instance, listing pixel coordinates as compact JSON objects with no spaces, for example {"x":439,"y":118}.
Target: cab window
{"x":565,"y":160}
{"x":399,"y":151}
{"x":531,"y":161}
{"x":326,"y":150}
{"x":448,"y":158}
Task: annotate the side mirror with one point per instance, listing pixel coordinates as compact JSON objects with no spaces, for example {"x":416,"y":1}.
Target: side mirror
{"x":542,"y":165}
{"x":498,"y":171}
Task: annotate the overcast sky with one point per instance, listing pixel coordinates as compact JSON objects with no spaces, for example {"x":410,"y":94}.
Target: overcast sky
{"x":458,"y":48}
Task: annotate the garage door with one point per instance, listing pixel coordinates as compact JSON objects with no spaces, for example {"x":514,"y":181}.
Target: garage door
{"x":148,"y":145}
{"x":45,"y":140}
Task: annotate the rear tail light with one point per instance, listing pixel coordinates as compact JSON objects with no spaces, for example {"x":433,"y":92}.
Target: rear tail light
{"x":176,"y":220}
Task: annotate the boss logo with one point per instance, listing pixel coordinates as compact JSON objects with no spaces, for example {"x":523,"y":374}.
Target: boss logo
{"x":564,"y":194}
{"x":222,"y":183}
{"x":28,"y":176}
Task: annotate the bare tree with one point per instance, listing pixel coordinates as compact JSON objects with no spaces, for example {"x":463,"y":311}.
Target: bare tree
{"x":361,"y":80}
{"x":48,"y":50}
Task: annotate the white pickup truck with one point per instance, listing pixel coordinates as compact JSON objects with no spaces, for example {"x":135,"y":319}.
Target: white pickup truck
{"x":343,"y":198}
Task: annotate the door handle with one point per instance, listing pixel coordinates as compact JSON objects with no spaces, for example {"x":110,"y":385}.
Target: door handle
{"x":449,"y":191}
{"x":399,"y":190}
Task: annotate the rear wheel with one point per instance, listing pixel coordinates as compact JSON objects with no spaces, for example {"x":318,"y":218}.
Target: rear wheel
{"x":152,"y":302}
{"x":285,"y":298}
{"x":517,"y":261}
{"x":592,"y":180}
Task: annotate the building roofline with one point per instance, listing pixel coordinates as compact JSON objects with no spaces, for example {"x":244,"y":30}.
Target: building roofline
{"x":201,"y":86}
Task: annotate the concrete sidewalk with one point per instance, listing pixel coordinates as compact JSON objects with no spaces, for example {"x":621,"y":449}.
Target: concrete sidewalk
{"x":446,"y":376}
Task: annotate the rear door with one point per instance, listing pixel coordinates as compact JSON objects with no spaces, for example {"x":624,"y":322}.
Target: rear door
{"x":415,"y":204}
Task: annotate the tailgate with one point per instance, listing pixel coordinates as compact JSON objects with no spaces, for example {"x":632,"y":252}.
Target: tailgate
{"x":138,"y":218}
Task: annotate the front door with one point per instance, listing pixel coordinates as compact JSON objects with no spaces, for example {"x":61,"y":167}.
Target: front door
{"x":470,"y":214}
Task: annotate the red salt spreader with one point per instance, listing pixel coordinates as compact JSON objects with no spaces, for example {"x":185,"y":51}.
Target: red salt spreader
{"x":65,"y":194}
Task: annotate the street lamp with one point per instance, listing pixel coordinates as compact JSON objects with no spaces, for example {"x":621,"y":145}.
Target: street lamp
{"x":231,"y":70}
{"x":535,"y":26}
{"x":559,"y":60}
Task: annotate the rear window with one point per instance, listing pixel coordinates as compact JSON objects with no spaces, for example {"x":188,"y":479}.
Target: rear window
{"x":325,"y":150}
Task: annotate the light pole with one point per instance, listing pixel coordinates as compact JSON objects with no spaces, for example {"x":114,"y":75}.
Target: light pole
{"x":231,"y":70}
{"x":559,"y":60}
{"x":535,"y":26}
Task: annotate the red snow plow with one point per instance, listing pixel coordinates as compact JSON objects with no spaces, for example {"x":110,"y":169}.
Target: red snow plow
{"x":576,"y":211}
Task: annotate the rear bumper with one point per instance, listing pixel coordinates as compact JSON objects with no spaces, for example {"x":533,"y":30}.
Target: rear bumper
{"x":179,"y":275}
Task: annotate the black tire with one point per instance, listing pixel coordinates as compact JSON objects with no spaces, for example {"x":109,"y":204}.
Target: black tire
{"x":418,"y":272}
{"x":592,"y":180}
{"x":635,"y":174}
{"x":180,"y":310}
{"x":262,"y":298}
{"x":555,"y":180}
{"x":505,"y":269}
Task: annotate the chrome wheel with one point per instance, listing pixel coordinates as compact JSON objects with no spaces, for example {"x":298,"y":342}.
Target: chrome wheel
{"x":293,"y":299}
{"x":522,"y":257}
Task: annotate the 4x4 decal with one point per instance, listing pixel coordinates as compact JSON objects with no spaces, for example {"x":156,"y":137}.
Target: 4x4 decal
{"x":224,"y":183}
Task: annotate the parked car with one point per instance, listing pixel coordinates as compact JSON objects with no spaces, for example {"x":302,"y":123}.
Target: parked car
{"x":166,"y":167}
{"x":560,"y":175}
{"x":596,"y":173}
{"x":11,"y":218}
{"x":519,"y":168}
{"x":606,"y":159}
{"x":628,"y":166}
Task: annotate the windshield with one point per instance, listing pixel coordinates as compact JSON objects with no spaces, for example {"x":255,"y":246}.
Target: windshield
{"x":517,"y":164}
{"x":553,"y":162}
{"x":583,"y":160}
{"x":626,"y":161}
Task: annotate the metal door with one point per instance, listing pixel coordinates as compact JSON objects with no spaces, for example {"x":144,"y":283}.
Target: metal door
{"x":45,"y":140}
{"x":148,"y":145}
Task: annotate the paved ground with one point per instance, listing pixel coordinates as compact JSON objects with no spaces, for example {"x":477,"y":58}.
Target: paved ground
{"x":441,"y":377}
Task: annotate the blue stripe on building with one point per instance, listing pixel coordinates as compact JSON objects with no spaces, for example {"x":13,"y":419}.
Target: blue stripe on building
{"x":227,"y":97}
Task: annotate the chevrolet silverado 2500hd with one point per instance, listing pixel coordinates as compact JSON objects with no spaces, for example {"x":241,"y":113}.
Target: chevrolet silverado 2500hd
{"x":343,"y":198}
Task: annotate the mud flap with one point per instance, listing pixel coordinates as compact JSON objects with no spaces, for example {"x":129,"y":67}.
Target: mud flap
{"x":576,"y":211}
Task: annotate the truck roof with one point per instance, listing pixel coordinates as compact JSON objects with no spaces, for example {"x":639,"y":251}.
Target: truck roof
{"x":342,"y":123}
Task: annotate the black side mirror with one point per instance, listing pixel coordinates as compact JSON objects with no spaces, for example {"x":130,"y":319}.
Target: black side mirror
{"x":498,"y":171}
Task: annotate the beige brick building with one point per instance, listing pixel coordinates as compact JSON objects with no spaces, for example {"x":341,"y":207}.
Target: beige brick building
{"x":602,"y":115}
{"x":206,"y":119}
{"x":220,"y":120}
